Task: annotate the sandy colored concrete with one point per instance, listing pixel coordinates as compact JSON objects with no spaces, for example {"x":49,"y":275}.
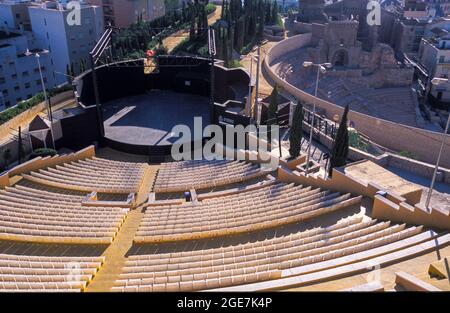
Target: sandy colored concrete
{"x":416,"y":266}
{"x":115,"y":254}
{"x":371,"y":172}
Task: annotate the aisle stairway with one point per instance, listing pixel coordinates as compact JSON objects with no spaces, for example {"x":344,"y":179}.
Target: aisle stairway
{"x":115,"y":254}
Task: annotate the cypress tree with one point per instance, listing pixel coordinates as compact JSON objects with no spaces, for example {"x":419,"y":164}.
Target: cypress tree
{"x":274,"y":12}
{"x":69,"y":74}
{"x":273,"y":107}
{"x":339,"y":153}
{"x":272,"y":111}
{"x":296,"y":132}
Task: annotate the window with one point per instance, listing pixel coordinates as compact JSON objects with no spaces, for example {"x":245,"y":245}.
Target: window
{"x":29,"y":96}
{"x":45,"y":21}
{"x":17,"y":15}
{"x":2,"y":80}
{"x":5,"y":92}
{"x":38,"y":82}
{"x":27,"y":85}
{"x":16,"y":88}
{"x":19,"y":99}
{"x":441,"y":59}
{"x":25,"y":74}
{"x":7,"y":104}
{"x":14,"y":76}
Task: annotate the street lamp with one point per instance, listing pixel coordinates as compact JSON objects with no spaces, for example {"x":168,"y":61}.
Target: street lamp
{"x":37,"y":55}
{"x":321,"y":68}
{"x":247,"y":111}
{"x":436,"y":82}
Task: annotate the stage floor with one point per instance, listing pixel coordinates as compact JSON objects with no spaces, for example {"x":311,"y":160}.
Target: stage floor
{"x":148,"y":119}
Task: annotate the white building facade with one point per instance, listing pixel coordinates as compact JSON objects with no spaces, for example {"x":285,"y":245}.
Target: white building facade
{"x":59,"y":41}
{"x":19,"y":72}
{"x":434,"y":54}
{"x":68,"y":41}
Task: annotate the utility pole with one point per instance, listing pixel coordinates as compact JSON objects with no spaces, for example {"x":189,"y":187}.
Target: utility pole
{"x":249,"y":99}
{"x":19,"y":147}
{"x":436,"y":82}
{"x":258,"y":65}
{"x":212,"y":53}
{"x":101,"y":127}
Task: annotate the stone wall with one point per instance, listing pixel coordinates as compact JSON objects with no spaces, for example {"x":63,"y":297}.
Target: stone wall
{"x":425,"y":144}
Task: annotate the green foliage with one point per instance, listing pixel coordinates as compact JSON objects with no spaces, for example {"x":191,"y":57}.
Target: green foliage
{"x":197,"y":17}
{"x":12,"y":112}
{"x":296,"y":131}
{"x":356,"y":141}
{"x":191,"y":47}
{"x":273,"y":107}
{"x":42,"y":152}
{"x":408,"y":154}
{"x":241,"y":26}
{"x":133,"y":41}
{"x":6,"y":154}
{"x":339,"y":152}
{"x":235,"y":64}
{"x":210,"y":8}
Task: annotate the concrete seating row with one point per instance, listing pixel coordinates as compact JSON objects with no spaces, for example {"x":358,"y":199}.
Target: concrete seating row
{"x":186,"y":175}
{"x":406,"y":248}
{"x":46,"y":273}
{"x":52,"y":219}
{"x":256,"y":261}
{"x":267,"y":207}
{"x":92,"y":174}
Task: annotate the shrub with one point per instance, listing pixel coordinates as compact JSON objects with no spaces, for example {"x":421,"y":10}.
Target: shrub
{"x":408,"y":154}
{"x":12,"y":112}
{"x":210,"y":8}
{"x":356,"y":141}
{"x":42,"y":152}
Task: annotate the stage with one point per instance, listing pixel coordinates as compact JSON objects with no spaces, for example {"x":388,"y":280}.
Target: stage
{"x":147,"y":119}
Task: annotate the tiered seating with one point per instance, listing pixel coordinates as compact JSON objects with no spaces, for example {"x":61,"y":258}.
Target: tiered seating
{"x":92,"y":174}
{"x":32,"y":215}
{"x":23,"y":273}
{"x":198,"y":267}
{"x":270,"y":206}
{"x":185,"y":175}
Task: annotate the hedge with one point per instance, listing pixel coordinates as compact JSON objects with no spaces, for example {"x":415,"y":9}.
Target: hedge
{"x":42,"y":152}
{"x":12,"y":112}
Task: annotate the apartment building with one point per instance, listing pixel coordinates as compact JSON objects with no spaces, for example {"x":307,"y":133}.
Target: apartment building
{"x":14,"y":15}
{"x":434,"y":54}
{"x":122,"y":13}
{"x":19,"y":70}
{"x":68,"y":44}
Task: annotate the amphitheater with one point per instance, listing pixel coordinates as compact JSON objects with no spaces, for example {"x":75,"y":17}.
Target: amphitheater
{"x":396,"y":104}
{"x":95,"y":221}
